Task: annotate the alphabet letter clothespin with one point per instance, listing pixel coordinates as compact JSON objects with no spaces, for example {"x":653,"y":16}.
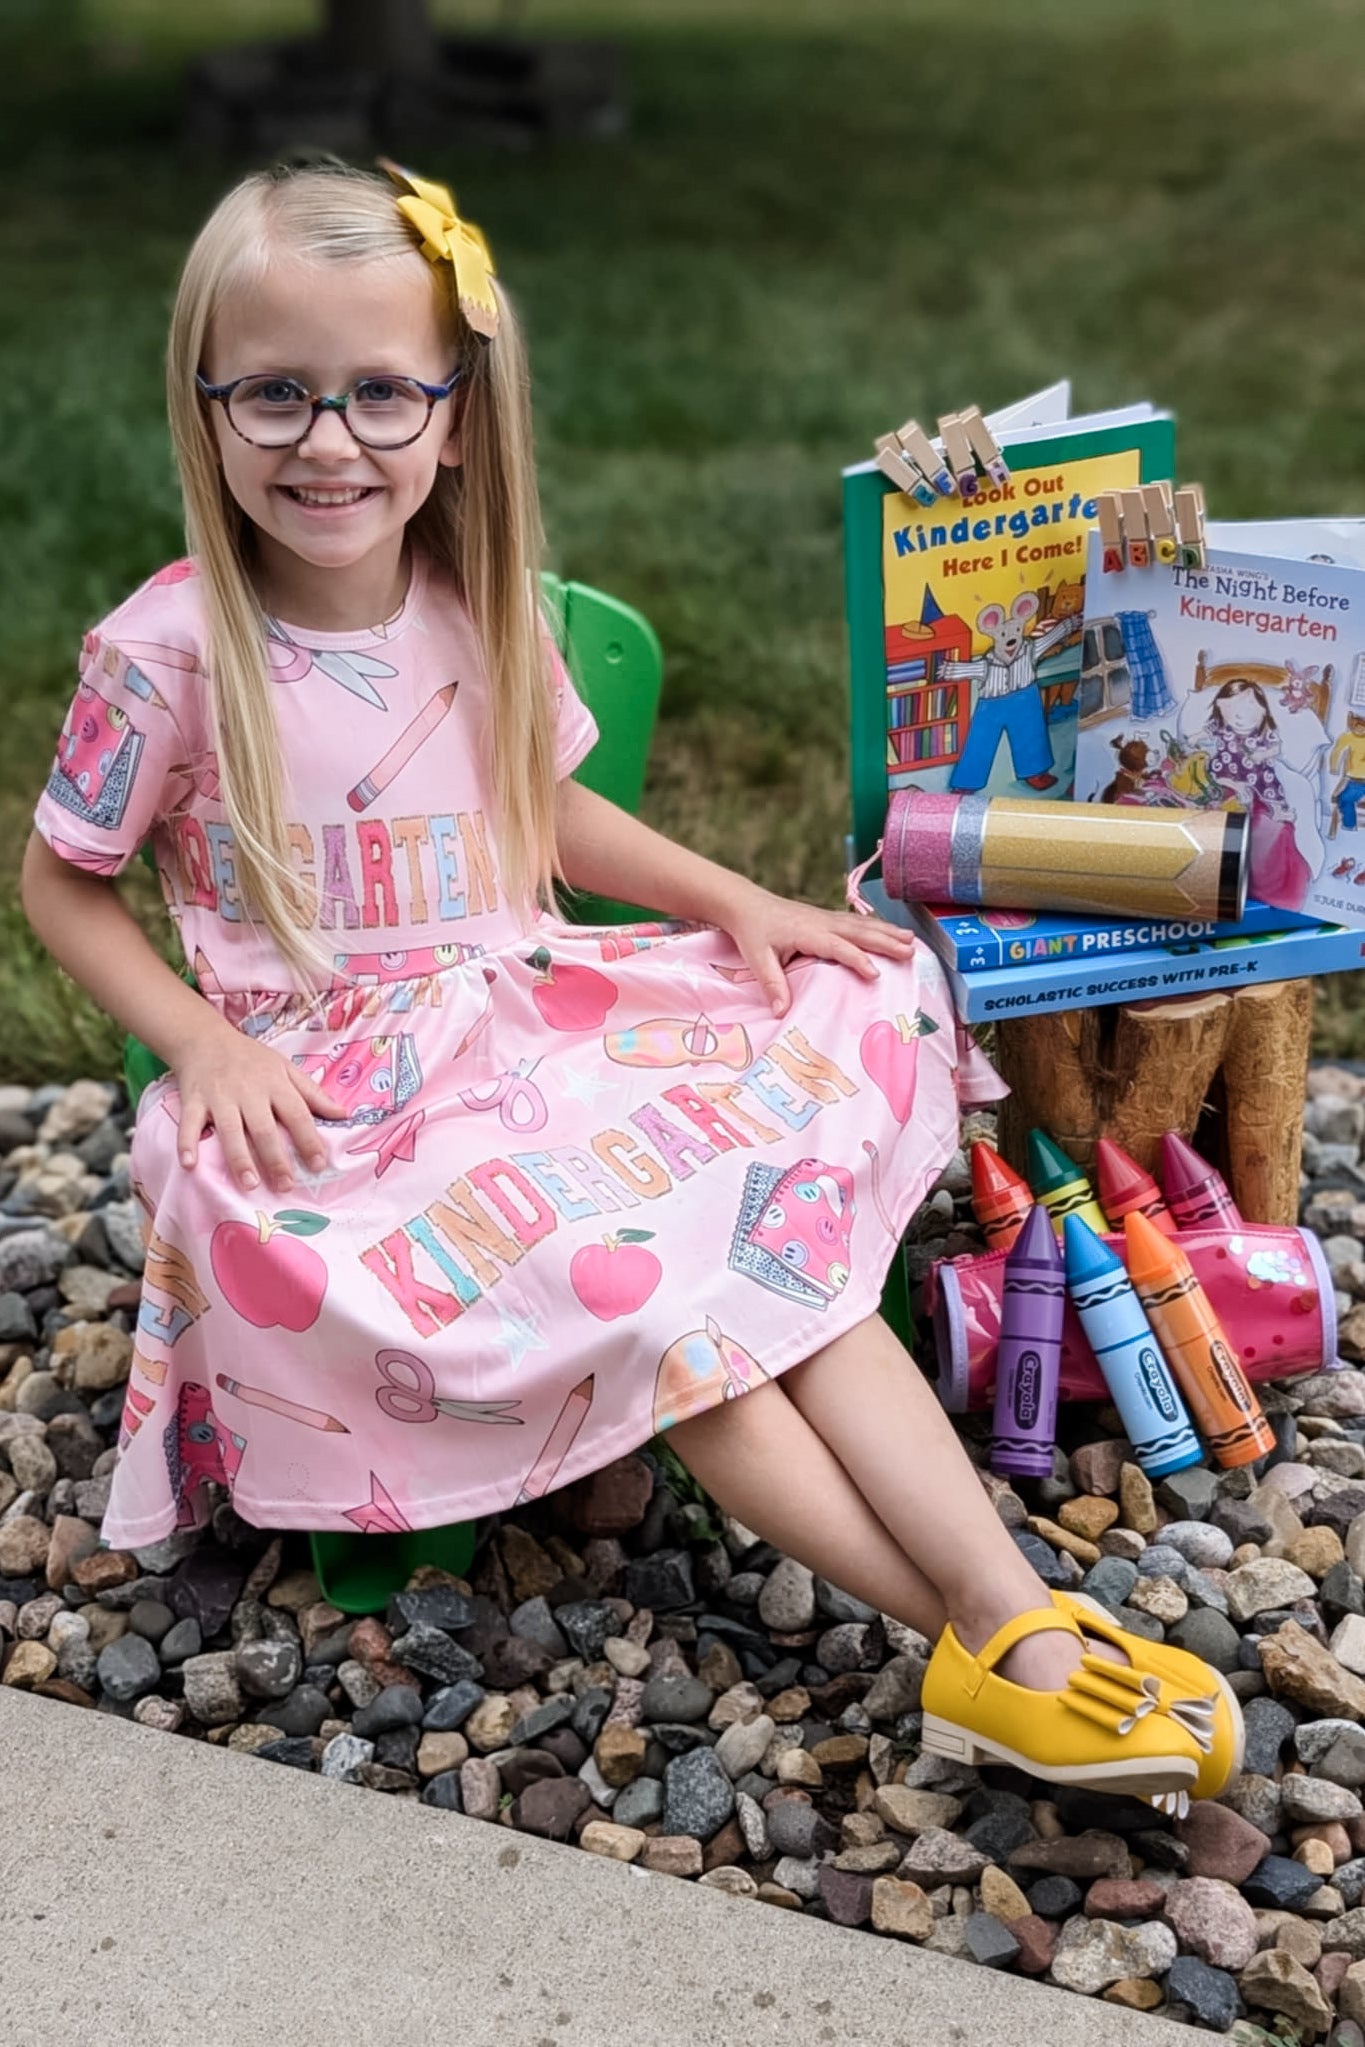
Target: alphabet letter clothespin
{"x":892,"y":462}
{"x":1189,"y":526}
{"x":926,"y":457}
{"x":984,"y":445}
{"x":1137,"y":547}
{"x":1156,"y":497}
{"x":957,"y":453}
{"x":1111,"y":531}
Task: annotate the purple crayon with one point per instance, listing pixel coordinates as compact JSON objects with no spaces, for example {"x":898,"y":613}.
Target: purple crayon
{"x":1026,"y":1373}
{"x":1196,"y":1192}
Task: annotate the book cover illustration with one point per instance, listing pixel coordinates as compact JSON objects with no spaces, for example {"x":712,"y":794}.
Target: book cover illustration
{"x":965,"y":620}
{"x":1238,"y":686}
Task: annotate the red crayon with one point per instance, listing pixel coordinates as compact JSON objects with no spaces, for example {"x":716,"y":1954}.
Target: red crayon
{"x":1196,"y":1192}
{"x":1125,"y":1188}
{"x":1001,"y":1198}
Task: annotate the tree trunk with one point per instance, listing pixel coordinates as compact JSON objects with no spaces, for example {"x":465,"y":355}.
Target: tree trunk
{"x":381,"y":35}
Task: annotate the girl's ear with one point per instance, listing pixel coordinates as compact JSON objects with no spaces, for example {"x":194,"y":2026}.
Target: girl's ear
{"x":452,"y":451}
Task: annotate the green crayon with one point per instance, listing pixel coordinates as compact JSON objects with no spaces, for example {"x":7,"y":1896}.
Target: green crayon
{"x":1061,"y":1186}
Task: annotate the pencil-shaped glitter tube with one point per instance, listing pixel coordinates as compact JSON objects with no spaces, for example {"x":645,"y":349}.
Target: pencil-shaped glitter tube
{"x":1113,"y":859}
{"x":288,"y":1410}
{"x":558,"y":1443}
{"x":404,"y":747}
{"x":1000,"y":1197}
{"x":1196,"y":1192}
{"x":1029,"y":1358}
{"x":1060,"y":1185}
{"x":1226,"y":1411}
{"x":1155,"y":1419}
{"x":1126,"y":1188}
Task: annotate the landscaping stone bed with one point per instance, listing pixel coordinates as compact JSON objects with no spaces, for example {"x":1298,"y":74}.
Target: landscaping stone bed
{"x":629,"y":1670}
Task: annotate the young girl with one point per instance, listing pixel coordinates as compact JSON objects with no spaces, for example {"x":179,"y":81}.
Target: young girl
{"x":1244,"y":754}
{"x":450,"y":1202}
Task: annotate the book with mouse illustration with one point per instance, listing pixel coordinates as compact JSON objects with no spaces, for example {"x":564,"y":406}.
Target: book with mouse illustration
{"x":965,"y":617}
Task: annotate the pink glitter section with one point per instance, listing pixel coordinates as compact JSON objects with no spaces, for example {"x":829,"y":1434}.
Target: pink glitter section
{"x":917,"y":850}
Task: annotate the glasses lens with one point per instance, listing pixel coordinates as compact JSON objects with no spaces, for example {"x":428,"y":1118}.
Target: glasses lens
{"x":271,"y":411}
{"x":383,"y":412}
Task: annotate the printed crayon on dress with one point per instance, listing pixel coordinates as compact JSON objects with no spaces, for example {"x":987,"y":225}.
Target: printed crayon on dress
{"x":1060,"y":1185}
{"x":1226,"y":1411}
{"x":1029,"y":1357}
{"x":1000,"y":1197}
{"x":1196,"y":1192}
{"x":1126,"y":1188}
{"x":1155,"y":1418}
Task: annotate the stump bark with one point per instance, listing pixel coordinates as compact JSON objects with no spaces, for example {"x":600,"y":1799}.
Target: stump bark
{"x":1225,"y":1070}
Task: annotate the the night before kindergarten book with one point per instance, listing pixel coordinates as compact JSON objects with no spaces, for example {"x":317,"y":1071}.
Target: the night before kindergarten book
{"x":965,"y":618}
{"x":1241,"y":686}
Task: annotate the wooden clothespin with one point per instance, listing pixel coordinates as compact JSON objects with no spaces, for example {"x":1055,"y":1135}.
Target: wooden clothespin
{"x":926,"y":457}
{"x":1156,"y":497}
{"x":892,"y":462}
{"x":1111,"y":531}
{"x":1189,"y":526}
{"x":957,"y":453}
{"x":1136,"y":546}
{"x":984,"y":445}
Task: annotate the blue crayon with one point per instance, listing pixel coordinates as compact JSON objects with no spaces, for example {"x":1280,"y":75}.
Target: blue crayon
{"x":1135,"y":1371}
{"x":1029,"y":1358}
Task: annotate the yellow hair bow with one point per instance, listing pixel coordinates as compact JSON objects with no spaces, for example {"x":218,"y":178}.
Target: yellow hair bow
{"x":431,"y":210}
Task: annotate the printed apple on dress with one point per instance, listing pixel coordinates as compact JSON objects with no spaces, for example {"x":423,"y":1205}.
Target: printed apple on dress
{"x":890,"y":1056}
{"x":617,"y":1276}
{"x":267,"y":1273}
{"x":570,"y":998}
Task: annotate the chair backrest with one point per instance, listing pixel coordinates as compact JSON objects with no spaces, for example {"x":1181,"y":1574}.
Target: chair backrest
{"x":618,"y":665}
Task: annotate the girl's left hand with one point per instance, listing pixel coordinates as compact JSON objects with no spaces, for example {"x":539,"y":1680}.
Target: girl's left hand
{"x":772,"y":930}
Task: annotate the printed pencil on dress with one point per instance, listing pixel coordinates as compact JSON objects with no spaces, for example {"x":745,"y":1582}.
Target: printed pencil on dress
{"x":1000,"y":1197}
{"x":1155,"y":1419}
{"x":1029,"y":1358}
{"x":373,"y":785}
{"x":1060,"y":1185}
{"x":1196,"y":1192}
{"x":1126,"y":1188}
{"x":1225,"y":1409}
{"x":559,"y":1442}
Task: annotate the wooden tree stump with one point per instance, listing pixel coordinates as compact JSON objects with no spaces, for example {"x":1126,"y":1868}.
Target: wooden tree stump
{"x":1226,"y":1071}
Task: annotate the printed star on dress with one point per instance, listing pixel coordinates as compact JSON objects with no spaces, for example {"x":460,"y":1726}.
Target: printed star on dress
{"x":584,"y":1086}
{"x":520,"y":1334}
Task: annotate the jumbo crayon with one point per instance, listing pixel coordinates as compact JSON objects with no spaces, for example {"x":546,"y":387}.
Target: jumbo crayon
{"x":1196,"y":1192}
{"x":1029,"y":1358}
{"x":1155,"y":1419}
{"x":1125,"y":1187}
{"x":1225,"y":1409}
{"x":1060,"y":1185}
{"x":1000,"y":1197}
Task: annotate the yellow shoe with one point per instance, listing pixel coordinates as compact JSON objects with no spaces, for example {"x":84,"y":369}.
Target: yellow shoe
{"x":1112,"y":1727}
{"x":1221,"y":1764}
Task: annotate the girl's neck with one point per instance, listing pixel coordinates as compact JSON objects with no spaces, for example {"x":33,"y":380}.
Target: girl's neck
{"x":329,"y":600}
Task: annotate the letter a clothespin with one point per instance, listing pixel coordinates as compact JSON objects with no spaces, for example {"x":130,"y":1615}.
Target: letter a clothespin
{"x":1111,"y":531}
{"x":1189,"y":526}
{"x":1139,"y":527}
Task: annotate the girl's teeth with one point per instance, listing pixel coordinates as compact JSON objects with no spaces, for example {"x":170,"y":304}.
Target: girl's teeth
{"x":319,"y":497}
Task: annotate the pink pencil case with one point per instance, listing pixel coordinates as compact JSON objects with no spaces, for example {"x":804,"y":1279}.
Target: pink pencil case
{"x":1270,"y":1287}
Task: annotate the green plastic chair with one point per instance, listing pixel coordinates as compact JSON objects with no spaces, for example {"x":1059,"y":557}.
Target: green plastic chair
{"x":617,"y":664}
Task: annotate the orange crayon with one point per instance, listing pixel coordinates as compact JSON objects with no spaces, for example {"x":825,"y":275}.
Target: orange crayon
{"x":1226,"y":1411}
{"x":1125,"y":1188}
{"x":1001,"y":1199}
{"x":371,"y":786}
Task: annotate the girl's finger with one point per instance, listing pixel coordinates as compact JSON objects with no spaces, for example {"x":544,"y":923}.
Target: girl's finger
{"x":292,"y":1111}
{"x":771,"y":979}
{"x":236,"y":1152}
{"x":316,"y":1095}
{"x":193,"y":1112}
{"x":874,"y":936}
{"x":846,"y":954}
{"x":268,"y":1145}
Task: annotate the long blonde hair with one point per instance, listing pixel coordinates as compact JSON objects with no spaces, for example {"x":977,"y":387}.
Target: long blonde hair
{"x":480,"y":524}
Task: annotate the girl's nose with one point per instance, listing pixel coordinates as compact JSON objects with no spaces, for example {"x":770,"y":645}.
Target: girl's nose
{"x":329,"y":439}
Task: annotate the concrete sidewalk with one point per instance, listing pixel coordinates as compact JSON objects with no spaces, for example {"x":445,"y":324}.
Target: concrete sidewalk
{"x":155,"y":1892}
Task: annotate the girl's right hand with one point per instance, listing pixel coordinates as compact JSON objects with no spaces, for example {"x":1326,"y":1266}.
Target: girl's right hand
{"x":251,"y":1095}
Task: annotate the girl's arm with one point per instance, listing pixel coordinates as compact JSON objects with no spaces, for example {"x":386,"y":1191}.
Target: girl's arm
{"x":604,"y":850}
{"x":245,"y":1089}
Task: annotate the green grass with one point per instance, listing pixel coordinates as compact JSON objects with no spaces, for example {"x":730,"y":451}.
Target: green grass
{"x":825,"y":216}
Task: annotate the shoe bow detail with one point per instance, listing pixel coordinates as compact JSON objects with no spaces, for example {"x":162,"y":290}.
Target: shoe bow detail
{"x":1117,"y":1696}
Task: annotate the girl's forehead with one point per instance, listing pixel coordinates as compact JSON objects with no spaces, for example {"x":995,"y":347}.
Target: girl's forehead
{"x":330,"y":319}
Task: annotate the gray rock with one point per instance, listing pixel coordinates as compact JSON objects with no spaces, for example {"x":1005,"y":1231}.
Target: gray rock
{"x":1347,"y":1934}
{"x":268,"y":1670}
{"x":393,"y":1707}
{"x":1264,"y":1585}
{"x":1313,"y":1739}
{"x":427,"y":1650}
{"x":1056,"y":1569}
{"x":698,"y":1796}
{"x":1189,"y":1494}
{"x":1202,"y":1995}
{"x":303,"y":1712}
{"x":841,"y":1606}
{"x":989,"y":1941}
{"x":128,"y":1667}
{"x":1111,"y":1580}
{"x":123,"y":1227}
{"x":1093,"y":1953}
{"x":552,"y":1712}
{"x":797,"y":1875}
{"x":662,"y":1582}
{"x":345,"y":1756}
{"x":795,"y":1828}
{"x":787,"y":1602}
{"x":896,"y":1688}
{"x":1199,"y":1542}
{"x":743,"y":1745}
{"x":640,"y":1803}
{"x":534,"y":1620}
{"x":449,"y":1708}
{"x":212,"y":1692}
{"x":586,"y":1624}
{"x":844,"y":1647}
{"x":676,"y":1697}
{"x":31,"y":1259}
{"x":1311,"y":1801}
{"x":1053,"y":1897}
{"x":1159,"y":1560}
{"x":1281,"y":1884}
{"x":1269,"y":1726}
{"x":1208,"y":1635}
{"x":1349,"y":1879}
{"x":434,"y":1606}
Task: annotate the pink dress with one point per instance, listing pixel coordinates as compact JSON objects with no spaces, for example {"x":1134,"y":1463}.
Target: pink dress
{"x":587,"y":1184}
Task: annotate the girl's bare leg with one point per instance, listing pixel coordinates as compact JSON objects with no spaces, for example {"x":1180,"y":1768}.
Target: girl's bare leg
{"x":850,"y":1464}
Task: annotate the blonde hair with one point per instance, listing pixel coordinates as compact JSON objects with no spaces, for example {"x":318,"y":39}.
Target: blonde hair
{"x":480,"y":524}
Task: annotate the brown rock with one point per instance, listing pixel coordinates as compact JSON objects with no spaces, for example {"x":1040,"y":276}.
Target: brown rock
{"x":1091,"y":1854}
{"x":1300,"y":1939}
{"x":777,"y":1894}
{"x":103,"y":1569}
{"x":1315,"y":1551}
{"x":1124,"y":1897}
{"x":720,"y":1668}
{"x":370,"y":1641}
{"x":789,"y":1705}
{"x":73,"y":1695}
{"x":23,"y":1546}
{"x":1351,"y":1992}
{"x":840,"y":1752}
{"x":611,"y":1500}
{"x":530,"y":1569}
{"x":619,"y":1753}
{"x":672,"y":1855}
{"x":1314,"y":1853}
{"x":725,"y":1847}
{"x":29,"y":1664}
{"x":550,"y":1806}
{"x":1095,"y":1467}
{"x":438,"y":1752}
{"x":72,"y":1539}
{"x":1135,"y":1496}
{"x":901,"y":1908}
{"x":1138,"y":1993}
{"x":1002,"y":1897}
{"x":910,"y":1812}
{"x":1061,"y":1539}
{"x":603,"y":1837}
{"x":1088,"y":1516}
{"x":846,"y":1897}
{"x":1220,"y":1842}
{"x":1274,"y":1981}
{"x":1296,"y":1667}
{"x":1037,"y":1940}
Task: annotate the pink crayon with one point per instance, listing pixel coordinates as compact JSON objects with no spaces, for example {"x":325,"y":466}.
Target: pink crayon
{"x":1196,"y":1192}
{"x":1030,"y":1351}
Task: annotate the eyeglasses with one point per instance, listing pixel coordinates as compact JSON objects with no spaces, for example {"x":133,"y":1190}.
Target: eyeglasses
{"x":277,"y":412}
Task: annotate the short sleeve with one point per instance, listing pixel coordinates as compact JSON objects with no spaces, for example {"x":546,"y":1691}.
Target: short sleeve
{"x":575,"y":726}
{"x":119,"y":766}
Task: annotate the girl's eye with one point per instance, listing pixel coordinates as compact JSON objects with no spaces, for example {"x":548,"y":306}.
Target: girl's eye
{"x":273,"y":391}
{"x":377,"y":391}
